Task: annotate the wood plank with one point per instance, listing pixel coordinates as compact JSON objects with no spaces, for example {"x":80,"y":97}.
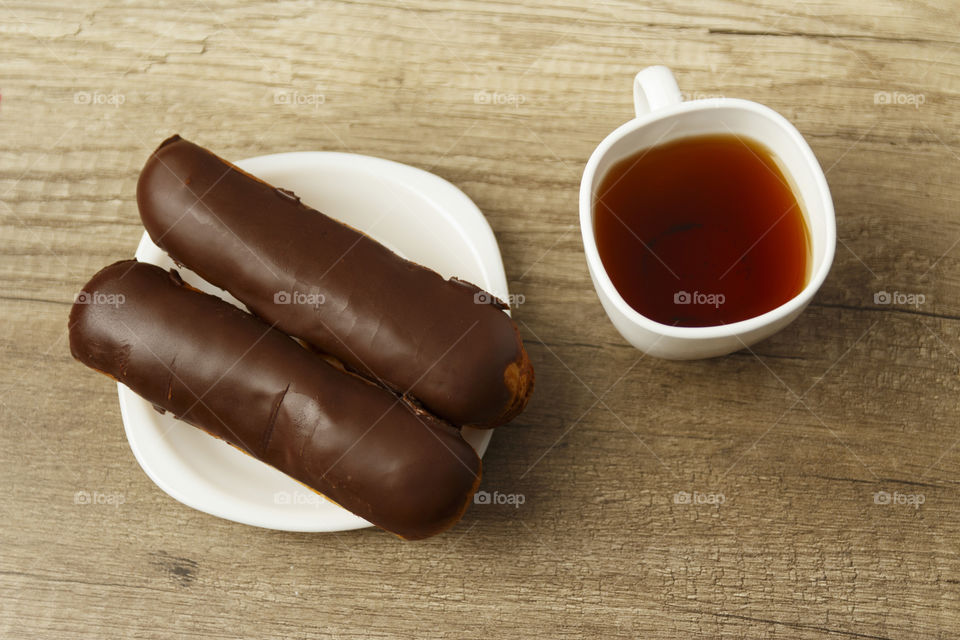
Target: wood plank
{"x":798,"y":435}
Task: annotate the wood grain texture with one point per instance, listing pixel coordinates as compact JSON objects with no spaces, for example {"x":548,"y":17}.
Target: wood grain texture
{"x":798,"y":435}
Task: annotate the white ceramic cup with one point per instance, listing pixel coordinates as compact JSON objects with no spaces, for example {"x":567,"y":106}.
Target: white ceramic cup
{"x":663,"y":116}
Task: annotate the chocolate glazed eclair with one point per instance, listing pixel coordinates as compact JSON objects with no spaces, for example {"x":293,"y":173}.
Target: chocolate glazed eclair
{"x":235,"y":377}
{"x":445,"y":342}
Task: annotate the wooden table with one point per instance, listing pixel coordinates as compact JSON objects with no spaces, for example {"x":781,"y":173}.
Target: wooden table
{"x":507,"y":100}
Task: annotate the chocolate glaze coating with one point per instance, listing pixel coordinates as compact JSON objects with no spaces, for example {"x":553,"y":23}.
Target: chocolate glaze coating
{"x":228,"y":373}
{"x":387,"y":318}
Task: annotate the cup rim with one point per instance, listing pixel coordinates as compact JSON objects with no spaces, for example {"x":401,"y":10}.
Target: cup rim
{"x":602,"y":278}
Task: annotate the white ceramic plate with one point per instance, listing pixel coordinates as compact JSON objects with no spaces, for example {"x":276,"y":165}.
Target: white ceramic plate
{"x":421,"y":216}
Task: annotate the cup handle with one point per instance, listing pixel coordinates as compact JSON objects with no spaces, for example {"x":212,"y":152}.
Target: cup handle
{"x":654,"y":88}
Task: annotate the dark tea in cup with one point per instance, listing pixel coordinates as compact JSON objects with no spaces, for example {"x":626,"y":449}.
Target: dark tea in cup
{"x":702,"y":231}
